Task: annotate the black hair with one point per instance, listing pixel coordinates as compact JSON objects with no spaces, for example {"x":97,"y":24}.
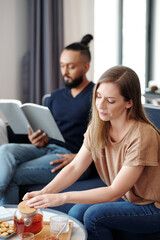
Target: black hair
{"x":82,"y":46}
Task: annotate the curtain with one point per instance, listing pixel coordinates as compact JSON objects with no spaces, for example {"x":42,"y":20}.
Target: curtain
{"x":41,"y":63}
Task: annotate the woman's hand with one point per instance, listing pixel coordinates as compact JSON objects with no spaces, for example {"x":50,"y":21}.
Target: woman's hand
{"x":30,"y":195}
{"x":38,"y":138}
{"x":47,"y":200}
{"x":63,"y":161}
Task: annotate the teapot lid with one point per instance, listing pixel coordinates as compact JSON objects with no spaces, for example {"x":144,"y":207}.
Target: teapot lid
{"x":23,"y":208}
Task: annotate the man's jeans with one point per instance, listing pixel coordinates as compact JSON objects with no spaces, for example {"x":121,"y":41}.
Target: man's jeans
{"x":126,"y":220}
{"x":22,"y":164}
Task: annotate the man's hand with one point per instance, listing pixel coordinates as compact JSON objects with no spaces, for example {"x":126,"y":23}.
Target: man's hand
{"x":38,"y":138}
{"x":65,"y":160}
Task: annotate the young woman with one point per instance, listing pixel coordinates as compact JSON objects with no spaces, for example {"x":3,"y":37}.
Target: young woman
{"x":125,"y":147}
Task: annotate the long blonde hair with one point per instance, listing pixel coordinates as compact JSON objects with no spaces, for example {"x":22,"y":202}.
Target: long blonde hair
{"x":128,"y":83}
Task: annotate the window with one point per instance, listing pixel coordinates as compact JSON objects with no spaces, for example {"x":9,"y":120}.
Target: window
{"x":120,"y":41}
{"x":105,"y":36}
{"x":134,"y":37}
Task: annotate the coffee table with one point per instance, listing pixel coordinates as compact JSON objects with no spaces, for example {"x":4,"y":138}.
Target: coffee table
{"x":78,"y":230}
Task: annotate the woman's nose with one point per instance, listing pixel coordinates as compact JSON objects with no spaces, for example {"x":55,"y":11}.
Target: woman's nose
{"x":101,"y":104}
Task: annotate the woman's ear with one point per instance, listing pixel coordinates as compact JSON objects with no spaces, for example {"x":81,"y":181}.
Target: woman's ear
{"x":129,"y":104}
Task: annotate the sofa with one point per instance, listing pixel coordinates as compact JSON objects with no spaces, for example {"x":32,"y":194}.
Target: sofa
{"x":92,"y":182}
{"x":153,"y":113}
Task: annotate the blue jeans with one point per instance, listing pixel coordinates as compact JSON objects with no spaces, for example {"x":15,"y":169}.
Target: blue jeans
{"x":118,"y":220}
{"x":22,"y":164}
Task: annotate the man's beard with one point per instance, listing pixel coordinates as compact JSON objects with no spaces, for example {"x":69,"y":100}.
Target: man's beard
{"x":75,"y":83}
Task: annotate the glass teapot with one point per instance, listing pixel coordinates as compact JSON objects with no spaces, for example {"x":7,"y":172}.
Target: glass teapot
{"x":28,"y":219}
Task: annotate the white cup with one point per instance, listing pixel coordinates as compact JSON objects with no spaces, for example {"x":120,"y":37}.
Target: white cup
{"x":57,"y":223}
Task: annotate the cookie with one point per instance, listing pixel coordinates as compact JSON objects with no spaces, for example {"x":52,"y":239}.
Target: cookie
{"x":6,"y":229}
{"x":10,"y":231}
{"x":4,"y":234}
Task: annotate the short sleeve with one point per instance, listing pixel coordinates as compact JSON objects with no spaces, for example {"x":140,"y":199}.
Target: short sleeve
{"x":144,"y":147}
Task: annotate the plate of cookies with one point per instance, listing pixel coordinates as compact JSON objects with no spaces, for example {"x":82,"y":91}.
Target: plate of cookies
{"x":6,"y":230}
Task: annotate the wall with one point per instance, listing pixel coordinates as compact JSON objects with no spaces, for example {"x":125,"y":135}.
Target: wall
{"x":13,"y":45}
{"x":14,"y":20}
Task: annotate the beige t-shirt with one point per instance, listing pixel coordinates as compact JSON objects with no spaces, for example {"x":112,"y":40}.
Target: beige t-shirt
{"x":140,"y":146}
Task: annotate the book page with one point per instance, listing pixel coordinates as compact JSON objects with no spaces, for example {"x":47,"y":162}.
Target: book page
{"x":40,"y":117}
{"x":14,"y":115}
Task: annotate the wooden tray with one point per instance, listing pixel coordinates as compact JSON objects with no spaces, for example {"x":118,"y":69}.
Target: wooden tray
{"x":46,"y":231}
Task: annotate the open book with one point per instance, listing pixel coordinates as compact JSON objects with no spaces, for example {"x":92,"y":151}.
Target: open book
{"x":5,"y":215}
{"x":19,"y":116}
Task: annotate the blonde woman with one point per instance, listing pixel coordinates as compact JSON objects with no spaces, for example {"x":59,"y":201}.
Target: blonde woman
{"x":125,"y":147}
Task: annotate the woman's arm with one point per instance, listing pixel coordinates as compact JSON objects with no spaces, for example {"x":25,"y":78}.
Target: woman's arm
{"x":123,"y":182}
{"x":68,"y":175}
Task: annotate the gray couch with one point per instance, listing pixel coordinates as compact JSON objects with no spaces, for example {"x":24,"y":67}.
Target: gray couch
{"x":153,"y":112}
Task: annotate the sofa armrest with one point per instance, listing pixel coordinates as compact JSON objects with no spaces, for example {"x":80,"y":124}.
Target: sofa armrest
{"x":153,"y":113}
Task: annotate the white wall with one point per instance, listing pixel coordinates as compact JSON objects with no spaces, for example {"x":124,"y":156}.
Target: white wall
{"x":13,"y":45}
